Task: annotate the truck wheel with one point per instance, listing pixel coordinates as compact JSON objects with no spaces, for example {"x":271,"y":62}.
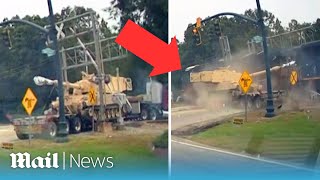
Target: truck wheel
{"x":76,"y":125}
{"x":257,"y":103}
{"x":160,"y":115}
{"x":52,"y":129}
{"x":144,"y":114}
{"x":22,"y":136}
{"x":153,"y":114}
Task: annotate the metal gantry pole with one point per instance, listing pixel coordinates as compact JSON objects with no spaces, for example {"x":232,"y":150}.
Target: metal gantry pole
{"x":270,"y":107}
{"x":62,"y":125}
{"x":64,"y":64}
{"x":120,"y":120}
{"x":99,"y":73}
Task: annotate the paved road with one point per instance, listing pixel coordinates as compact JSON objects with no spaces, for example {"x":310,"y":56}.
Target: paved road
{"x":193,"y":115}
{"x":7,"y":133}
{"x":191,"y":161}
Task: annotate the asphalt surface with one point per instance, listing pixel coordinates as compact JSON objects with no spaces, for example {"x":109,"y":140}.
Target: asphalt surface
{"x":181,"y":118}
{"x":191,"y":160}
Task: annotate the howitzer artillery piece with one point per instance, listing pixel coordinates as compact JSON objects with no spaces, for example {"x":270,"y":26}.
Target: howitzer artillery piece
{"x":81,"y":97}
{"x":81,"y":105}
{"x":223,"y":82}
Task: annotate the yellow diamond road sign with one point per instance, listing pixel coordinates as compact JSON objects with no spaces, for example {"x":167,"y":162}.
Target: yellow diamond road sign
{"x":245,"y":81}
{"x":29,"y":101}
{"x":92,"y":96}
{"x":293,"y":77}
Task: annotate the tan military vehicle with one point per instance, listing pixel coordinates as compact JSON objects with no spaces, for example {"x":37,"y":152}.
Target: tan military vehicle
{"x":222,"y":85}
{"x":81,"y":100}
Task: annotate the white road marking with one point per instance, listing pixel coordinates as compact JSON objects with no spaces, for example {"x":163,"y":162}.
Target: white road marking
{"x":245,"y":156}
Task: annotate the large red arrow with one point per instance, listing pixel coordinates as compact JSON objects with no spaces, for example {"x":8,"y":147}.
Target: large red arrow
{"x":162,"y":56}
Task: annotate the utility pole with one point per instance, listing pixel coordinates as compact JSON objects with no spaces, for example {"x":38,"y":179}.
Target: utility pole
{"x":62,"y":125}
{"x":100,"y":75}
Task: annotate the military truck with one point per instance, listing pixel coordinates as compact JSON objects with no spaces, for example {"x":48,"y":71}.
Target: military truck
{"x":223,"y":84}
{"x":153,"y":104}
{"x":81,"y":112}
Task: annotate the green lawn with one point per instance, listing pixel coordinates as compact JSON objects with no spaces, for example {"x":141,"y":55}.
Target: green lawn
{"x":126,"y":150}
{"x":256,"y":135}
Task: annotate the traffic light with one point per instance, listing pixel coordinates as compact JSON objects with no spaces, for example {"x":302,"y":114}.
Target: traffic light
{"x":6,"y":38}
{"x":217,"y":28}
{"x":196,"y":36}
{"x":198,"y":23}
{"x":196,"y":32}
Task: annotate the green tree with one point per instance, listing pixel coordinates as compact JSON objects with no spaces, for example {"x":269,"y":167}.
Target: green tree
{"x":236,"y":29}
{"x":24,"y":60}
{"x":151,"y":15}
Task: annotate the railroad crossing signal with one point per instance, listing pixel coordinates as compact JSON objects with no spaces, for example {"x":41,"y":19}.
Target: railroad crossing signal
{"x":29,"y":101}
{"x":245,"y":81}
{"x":92,"y":96}
{"x":294,"y":78}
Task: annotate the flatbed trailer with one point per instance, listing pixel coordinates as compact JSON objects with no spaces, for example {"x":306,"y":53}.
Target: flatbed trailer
{"x":257,"y":100}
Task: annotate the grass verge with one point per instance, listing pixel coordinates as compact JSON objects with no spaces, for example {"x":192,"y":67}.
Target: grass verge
{"x":126,"y":150}
{"x":256,"y":135}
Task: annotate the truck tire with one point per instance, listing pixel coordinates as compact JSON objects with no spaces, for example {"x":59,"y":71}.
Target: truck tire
{"x":76,"y":125}
{"x":144,"y":114}
{"x":52,"y":130}
{"x":153,"y":114}
{"x":22,"y":136}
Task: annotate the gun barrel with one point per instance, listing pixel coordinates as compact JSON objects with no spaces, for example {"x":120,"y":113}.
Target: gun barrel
{"x":275,"y":68}
{"x":42,"y":81}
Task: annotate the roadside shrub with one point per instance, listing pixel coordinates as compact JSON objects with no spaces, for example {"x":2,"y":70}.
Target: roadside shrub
{"x":162,"y":140}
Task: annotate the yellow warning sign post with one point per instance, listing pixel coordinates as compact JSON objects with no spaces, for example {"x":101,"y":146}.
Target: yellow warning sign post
{"x":29,"y":101}
{"x":92,"y":96}
{"x":293,"y":78}
{"x":245,"y":82}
